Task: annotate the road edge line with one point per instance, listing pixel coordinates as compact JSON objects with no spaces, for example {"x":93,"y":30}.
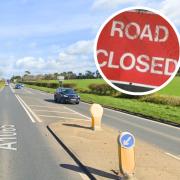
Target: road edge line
{"x":73,"y":156}
{"x":29,"y":109}
{"x":32,"y":119}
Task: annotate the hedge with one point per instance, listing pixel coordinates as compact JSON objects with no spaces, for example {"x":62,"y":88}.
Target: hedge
{"x":102,"y":89}
{"x":50,"y":85}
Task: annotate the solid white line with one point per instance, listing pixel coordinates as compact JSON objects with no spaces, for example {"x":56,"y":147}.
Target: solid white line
{"x":32,"y":119}
{"x":45,"y":106}
{"x":144,"y":119}
{"x":77,"y":113}
{"x":13,"y":91}
{"x":60,"y":117}
{"x":169,"y":154}
{"x":54,"y":111}
{"x":36,"y":117}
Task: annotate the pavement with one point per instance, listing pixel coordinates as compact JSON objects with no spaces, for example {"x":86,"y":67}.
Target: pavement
{"x":37,"y":155}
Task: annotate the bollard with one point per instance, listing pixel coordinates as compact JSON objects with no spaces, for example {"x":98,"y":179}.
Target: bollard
{"x":96,"y":113}
{"x":126,"y":143}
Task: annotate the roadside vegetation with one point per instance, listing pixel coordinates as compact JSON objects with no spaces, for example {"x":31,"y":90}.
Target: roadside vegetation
{"x":163,"y":105}
{"x":158,"y":107}
{"x":2,"y":83}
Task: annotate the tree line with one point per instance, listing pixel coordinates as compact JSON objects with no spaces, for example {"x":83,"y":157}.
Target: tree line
{"x":53,"y":76}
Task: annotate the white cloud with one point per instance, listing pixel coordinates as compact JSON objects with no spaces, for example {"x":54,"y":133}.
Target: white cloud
{"x":30,"y":63}
{"x":77,"y":57}
{"x":168,"y":7}
{"x":106,"y":4}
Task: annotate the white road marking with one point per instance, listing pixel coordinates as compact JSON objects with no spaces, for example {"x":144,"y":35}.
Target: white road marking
{"x":13,"y":91}
{"x":77,"y":113}
{"x":64,"y":112}
{"x":41,"y":115}
{"x":45,"y":106}
{"x":32,"y":119}
{"x":29,"y":109}
{"x":169,"y":154}
{"x":7,"y":133}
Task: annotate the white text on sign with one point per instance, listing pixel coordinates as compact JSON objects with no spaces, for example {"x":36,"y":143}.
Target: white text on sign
{"x":160,"y":33}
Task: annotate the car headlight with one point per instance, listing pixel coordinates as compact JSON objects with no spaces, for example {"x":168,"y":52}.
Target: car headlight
{"x":65,"y":96}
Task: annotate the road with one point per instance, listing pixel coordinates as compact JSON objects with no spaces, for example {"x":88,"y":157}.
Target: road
{"x":38,"y":155}
{"x":27,"y":150}
{"x":161,"y":135}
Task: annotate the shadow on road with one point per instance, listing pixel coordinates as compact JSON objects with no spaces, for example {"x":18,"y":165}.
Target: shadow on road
{"x":50,"y":100}
{"x":91,"y":170}
{"x":77,"y":126}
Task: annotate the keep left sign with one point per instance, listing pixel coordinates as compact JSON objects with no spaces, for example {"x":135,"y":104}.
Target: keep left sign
{"x":137,"y":51}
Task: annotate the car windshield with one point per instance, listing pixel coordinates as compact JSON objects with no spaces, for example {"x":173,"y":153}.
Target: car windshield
{"x":68,"y":91}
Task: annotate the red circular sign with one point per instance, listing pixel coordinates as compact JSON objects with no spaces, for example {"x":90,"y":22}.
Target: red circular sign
{"x":137,"y":51}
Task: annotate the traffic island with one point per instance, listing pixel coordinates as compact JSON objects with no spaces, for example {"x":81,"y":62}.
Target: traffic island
{"x":97,"y":153}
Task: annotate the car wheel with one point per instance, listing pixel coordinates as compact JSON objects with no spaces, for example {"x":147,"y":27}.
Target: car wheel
{"x":55,"y":99}
{"x":77,"y":102}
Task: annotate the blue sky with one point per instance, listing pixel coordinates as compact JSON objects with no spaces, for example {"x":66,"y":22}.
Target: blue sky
{"x":46,"y":36}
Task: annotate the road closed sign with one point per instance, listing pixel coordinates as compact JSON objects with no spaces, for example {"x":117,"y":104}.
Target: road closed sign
{"x":137,"y":51}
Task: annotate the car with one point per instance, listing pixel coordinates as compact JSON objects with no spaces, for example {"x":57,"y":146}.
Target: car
{"x":18,"y":86}
{"x":66,"y":95}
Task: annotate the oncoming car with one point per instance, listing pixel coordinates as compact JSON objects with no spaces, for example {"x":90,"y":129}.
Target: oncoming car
{"x":18,"y":86}
{"x":66,"y":95}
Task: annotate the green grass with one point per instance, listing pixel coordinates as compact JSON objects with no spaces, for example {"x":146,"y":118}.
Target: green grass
{"x":173,"y":88}
{"x":1,"y":84}
{"x":80,"y":83}
{"x":158,"y":111}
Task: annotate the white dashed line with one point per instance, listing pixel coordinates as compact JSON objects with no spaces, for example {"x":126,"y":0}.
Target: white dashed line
{"x":60,"y":117}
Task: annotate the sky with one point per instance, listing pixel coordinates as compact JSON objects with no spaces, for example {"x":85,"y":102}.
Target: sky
{"x":47,"y":36}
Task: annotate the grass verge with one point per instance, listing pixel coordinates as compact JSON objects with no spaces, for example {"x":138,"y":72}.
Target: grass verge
{"x":166,"y":113}
{"x":2,"y":84}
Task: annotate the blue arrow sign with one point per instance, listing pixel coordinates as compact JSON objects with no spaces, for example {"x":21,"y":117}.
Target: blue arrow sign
{"x":126,"y":140}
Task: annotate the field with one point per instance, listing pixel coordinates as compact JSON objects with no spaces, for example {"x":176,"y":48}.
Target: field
{"x":172,"y":89}
{"x":154,"y":108}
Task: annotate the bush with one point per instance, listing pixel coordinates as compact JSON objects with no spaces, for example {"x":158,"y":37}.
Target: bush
{"x":161,"y":99}
{"x":69,"y":85}
{"x":102,"y":89}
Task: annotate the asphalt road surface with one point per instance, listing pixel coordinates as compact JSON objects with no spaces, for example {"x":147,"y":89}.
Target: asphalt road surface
{"x":27,"y":150}
{"x":32,"y":153}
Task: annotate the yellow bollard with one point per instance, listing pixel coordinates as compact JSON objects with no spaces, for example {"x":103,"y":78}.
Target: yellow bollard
{"x":126,"y":143}
{"x":96,"y":113}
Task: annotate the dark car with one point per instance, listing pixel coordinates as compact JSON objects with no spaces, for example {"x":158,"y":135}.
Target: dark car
{"x":18,"y":86}
{"x":66,"y":95}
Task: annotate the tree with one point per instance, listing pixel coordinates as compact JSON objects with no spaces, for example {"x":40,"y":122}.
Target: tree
{"x":27,"y":73}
